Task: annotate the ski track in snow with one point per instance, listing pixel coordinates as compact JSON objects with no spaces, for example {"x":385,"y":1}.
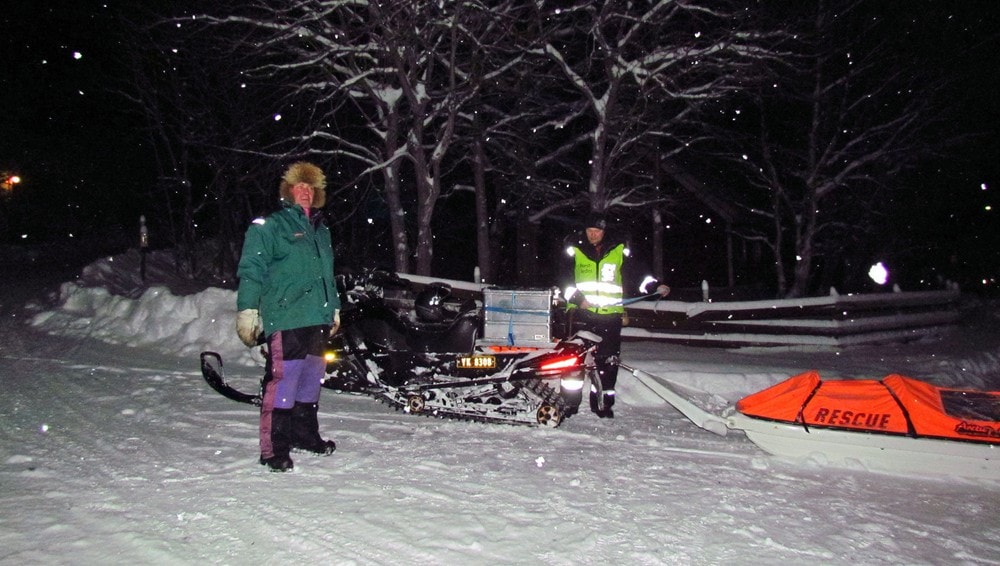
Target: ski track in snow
{"x":150,"y":465}
{"x":122,"y":454}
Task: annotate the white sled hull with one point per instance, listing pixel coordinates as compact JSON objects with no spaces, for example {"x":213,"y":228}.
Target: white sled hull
{"x":877,"y":452}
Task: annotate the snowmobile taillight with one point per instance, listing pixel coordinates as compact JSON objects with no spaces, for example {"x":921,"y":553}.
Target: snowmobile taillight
{"x":563,"y":362}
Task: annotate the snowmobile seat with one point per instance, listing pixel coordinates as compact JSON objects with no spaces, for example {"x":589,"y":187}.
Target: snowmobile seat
{"x":455,"y":335}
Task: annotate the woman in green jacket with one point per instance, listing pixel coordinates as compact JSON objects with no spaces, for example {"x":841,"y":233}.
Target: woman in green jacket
{"x":288,"y":295}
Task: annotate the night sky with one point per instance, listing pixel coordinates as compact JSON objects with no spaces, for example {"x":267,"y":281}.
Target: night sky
{"x":83,"y":163}
{"x":63,"y":127}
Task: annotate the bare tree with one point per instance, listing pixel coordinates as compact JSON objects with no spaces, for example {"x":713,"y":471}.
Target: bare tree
{"x":197,"y":112}
{"x":632,"y":75}
{"x":525,"y":103}
{"x":829,"y":143}
{"x":384,"y":84}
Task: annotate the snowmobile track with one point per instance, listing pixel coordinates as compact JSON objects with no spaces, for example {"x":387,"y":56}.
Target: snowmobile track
{"x":545,"y":393}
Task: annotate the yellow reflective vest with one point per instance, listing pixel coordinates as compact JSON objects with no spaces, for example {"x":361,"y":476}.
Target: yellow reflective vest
{"x":600,"y":280}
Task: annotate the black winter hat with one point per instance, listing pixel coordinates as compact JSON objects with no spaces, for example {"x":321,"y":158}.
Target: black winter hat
{"x":596,"y":220}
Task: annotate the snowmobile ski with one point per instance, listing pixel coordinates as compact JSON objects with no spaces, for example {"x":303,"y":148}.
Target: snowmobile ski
{"x":211,"y":370}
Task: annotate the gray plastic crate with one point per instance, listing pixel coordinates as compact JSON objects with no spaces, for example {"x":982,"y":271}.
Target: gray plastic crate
{"x":517,"y":317}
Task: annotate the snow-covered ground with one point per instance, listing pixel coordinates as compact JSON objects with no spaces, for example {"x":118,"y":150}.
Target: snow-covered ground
{"x":113,"y":450}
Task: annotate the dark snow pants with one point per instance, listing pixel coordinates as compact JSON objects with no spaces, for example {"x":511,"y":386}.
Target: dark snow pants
{"x":294,"y":373}
{"x":609,"y":328}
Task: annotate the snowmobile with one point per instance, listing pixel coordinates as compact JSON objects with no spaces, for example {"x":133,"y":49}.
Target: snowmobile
{"x":426,"y":355}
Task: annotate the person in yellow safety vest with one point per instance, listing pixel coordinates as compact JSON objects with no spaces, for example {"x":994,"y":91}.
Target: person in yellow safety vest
{"x":601,"y":267}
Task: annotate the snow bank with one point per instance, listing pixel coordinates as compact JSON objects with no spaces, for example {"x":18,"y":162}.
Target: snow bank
{"x":110,"y":302}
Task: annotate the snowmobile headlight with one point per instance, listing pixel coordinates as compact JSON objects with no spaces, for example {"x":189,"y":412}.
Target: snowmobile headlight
{"x":330,"y":356}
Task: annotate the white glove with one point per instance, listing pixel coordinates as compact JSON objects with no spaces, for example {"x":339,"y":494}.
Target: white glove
{"x":249,"y":326}
{"x":336,"y":322}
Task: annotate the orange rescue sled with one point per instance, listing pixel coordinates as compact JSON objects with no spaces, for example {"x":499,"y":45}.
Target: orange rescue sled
{"x":896,"y":424}
{"x":894,"y":405}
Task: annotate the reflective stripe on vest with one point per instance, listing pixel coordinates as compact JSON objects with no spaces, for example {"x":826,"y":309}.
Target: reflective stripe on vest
{"x":601,"y":281}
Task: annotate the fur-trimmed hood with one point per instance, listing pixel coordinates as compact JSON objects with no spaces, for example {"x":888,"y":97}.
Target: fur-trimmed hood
{"x":304,"y":172}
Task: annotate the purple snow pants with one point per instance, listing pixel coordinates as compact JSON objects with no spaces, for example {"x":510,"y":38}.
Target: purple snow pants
{"x":293,"y":374}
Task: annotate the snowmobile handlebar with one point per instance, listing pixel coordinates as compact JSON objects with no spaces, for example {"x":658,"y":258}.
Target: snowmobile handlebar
{"x":371,"y":278}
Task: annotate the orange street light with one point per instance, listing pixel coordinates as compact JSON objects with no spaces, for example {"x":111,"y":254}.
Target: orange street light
{"x":9,"y":181}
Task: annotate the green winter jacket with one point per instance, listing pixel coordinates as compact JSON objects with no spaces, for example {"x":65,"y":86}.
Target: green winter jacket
{"x":286,"y":270}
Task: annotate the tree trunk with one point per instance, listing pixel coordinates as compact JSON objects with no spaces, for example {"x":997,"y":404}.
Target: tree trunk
{"x":804,"y":255}
{"x":393,"y":197}
{"x":598,"y":192}
{"x":657,"y":263}
{"x":730,"y":270}
{"x":482,"y":213}
{"x":426,"y":199}
{"x":779,"y":264}
{"x":527,"y":252}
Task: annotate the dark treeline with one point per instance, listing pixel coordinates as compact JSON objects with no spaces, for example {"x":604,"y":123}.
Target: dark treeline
{"x":779,"y":146}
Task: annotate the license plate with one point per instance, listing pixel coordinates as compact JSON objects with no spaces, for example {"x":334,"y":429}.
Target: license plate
{"x":476,"y":362}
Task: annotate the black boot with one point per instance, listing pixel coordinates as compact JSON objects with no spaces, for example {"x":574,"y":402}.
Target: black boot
{"x":606,"y":412}
{"x":607,"y":370}
{"x":281,"y":432}
{"x":305,"y":430}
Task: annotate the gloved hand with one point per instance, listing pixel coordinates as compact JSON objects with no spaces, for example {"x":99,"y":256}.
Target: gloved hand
{"x":336,"y":322}
{"x":249,"y":326}
{"x":663,"y":290}
{"x":574,"y":297}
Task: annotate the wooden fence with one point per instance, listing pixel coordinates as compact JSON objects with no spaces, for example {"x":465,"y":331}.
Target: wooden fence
{"x":834,"y":320}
